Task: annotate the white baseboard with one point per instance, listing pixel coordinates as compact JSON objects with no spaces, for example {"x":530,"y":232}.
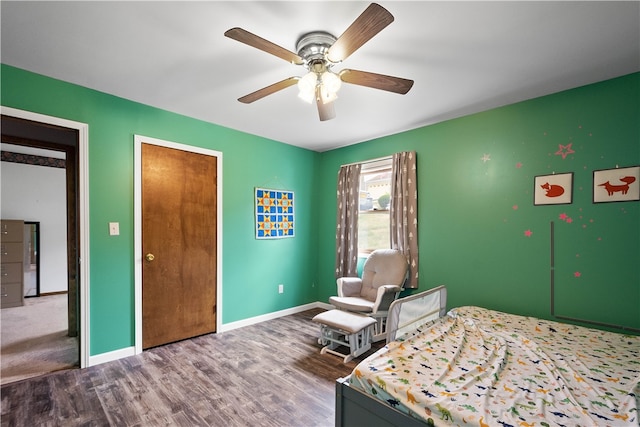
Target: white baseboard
{"x":111,"y":356}
{"x":324,"y":305}
{"x":130,"y":351}
{"x":269,"y":316}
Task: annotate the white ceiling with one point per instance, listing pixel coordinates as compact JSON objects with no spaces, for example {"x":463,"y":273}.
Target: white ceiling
{"x":464,"y":57}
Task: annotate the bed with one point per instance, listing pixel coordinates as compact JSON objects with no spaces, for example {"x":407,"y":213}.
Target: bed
{"x":473,"y":366}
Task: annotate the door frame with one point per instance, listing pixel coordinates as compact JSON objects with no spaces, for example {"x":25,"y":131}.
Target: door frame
{"x":138,"y":140}
{"x":83,"y":220}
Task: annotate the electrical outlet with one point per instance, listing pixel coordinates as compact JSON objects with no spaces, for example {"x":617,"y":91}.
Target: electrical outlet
{"x":280,"y":288}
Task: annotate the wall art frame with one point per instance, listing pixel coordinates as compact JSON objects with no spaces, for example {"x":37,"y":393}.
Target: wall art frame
{"x":274,"y":213}
{"x":616,"y":185}
{"x":554,"y":189}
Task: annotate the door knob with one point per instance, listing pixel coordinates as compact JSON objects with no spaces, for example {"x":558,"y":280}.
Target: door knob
{"x":150,"y":257}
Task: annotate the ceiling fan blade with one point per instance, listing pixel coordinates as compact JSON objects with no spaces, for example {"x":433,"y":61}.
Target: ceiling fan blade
{"x":244,"y":36}
{"x":261,"y":93}
{"x":376,"y":81}
{"x":373,"y":20}
{"x":326,"y":110}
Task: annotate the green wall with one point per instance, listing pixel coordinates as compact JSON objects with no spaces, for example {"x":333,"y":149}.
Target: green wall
{"x":471,"y":235}
{"x":252,"y":269}
{"x":473,"y":213}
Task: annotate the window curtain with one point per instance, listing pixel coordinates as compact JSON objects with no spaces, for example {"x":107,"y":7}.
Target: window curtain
{"x":347,"y":221}
{"x":404,"y":211}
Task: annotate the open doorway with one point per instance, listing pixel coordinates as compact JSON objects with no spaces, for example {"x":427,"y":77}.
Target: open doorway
{"x":32,"y":147}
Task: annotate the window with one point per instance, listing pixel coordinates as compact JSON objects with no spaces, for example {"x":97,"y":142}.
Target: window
{"x":373,"y":214}
{"x":364,"y":212}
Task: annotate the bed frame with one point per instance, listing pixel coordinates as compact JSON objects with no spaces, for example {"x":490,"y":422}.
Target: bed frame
{"x":355,"y":408}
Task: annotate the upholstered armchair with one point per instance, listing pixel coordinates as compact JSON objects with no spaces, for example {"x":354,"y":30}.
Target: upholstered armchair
{"x":383,"y":276}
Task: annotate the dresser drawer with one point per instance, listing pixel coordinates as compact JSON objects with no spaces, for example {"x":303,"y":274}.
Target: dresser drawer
{"x":11,"y":252}
{"x":11,"y":230}
{"x":11,"y":272}
{"x":11,"y":295}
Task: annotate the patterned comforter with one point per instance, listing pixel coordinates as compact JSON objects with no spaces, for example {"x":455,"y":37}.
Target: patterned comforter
{"x":486,"y":368}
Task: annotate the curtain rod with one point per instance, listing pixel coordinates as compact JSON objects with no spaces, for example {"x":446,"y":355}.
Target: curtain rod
{"x":368,"y":161}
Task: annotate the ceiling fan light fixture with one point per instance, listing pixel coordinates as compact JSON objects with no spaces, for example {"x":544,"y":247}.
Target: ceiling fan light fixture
{"x":328,"y":87}
{"x":307,"y":87}
{"x":331,"y":82}
{"x":318,"y":52}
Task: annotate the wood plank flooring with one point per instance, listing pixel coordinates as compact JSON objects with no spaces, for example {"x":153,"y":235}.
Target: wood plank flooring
{"x":268,"y":374}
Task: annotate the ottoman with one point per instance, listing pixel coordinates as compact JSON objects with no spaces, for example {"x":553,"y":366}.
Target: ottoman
{"x":343,"y":328}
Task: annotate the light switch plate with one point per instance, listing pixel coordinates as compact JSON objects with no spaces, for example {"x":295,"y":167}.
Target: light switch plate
{"x":114,"y":228}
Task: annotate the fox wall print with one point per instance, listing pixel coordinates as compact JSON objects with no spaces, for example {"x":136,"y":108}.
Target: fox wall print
{"x":555,"y":189}
{"x":616,"y":185}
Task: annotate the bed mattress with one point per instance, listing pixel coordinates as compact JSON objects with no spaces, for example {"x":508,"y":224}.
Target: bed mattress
{"x":481,"y":367}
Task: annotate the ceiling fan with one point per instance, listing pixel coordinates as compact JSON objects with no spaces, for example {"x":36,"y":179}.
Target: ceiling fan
{"x":318,"y":52}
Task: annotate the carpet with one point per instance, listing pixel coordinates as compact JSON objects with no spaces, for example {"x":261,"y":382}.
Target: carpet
{"x":34,"y":339}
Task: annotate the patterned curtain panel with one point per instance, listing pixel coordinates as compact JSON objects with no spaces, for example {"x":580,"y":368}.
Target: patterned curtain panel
{"x":404,"y":211}
{"x":347,"y":221}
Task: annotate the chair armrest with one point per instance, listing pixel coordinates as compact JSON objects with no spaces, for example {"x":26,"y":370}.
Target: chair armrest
{"x":349,"y":286}
{"x":386,"y":295}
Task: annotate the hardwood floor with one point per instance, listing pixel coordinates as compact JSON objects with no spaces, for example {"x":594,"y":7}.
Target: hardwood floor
{"x":268,"y":374}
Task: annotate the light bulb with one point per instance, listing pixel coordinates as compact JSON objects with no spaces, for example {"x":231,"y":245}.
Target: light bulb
{"x":331,"y":82}
{"x":307,"y":86}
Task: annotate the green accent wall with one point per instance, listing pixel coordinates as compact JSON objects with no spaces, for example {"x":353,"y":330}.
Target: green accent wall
{"x":475,"y":183}
{"x":252,"y":269}
{"x":473,"y":214}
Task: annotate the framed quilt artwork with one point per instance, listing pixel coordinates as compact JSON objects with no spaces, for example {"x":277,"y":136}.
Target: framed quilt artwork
{"x":274,"y":213}
{"x":556,"y":189}
{"x":616,"y":185}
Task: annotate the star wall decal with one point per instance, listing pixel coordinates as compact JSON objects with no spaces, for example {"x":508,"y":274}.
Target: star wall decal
{"x":564,"y":150}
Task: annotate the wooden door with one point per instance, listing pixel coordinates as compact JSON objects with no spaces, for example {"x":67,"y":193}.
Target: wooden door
{"x":179,"y":205}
